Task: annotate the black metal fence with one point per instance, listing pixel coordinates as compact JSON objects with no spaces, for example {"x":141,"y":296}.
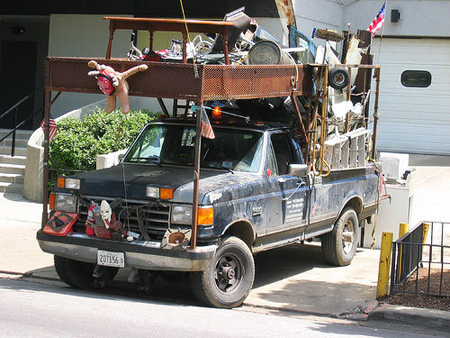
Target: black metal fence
{"x":421,"y":260}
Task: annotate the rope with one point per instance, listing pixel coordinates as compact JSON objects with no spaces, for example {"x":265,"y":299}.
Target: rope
{"x":189,"y":39}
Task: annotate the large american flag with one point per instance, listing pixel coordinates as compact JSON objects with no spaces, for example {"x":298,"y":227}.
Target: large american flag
{"x":207,"y":130}
{"x":53,"y":128}
{"x":378,"y":21}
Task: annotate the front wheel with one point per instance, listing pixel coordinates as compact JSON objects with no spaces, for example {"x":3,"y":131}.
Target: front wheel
{"x":229,"y":277}
{"x":81,"y":275}
{"x":339,"y":246}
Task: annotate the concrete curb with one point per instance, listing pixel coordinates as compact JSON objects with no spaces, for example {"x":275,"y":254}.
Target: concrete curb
{"x":434,"y":319}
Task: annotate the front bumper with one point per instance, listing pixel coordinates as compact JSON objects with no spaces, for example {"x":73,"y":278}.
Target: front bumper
{"x":146,"y":255}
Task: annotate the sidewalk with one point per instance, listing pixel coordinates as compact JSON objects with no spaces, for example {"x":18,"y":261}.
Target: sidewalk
{"x":293,"y":278}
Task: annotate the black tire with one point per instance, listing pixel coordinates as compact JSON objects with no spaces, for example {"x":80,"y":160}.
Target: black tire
{"x":339,"y":246}
{"x":79,"y":274}
{"x":229,"y":277}
{"x":338,"y":77}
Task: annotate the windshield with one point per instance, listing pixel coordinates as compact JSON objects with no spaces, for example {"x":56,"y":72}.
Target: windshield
{"x":231,"y":149}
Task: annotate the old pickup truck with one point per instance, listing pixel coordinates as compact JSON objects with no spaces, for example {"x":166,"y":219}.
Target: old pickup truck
{"x":180,"y":202}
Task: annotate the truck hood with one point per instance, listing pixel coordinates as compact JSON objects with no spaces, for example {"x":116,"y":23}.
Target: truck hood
{"x":214,"y":183}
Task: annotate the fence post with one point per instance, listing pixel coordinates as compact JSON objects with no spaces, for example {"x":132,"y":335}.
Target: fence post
{"x":385,"y":263}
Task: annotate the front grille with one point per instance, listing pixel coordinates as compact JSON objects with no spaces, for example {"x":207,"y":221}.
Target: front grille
{"x":150,"y":220}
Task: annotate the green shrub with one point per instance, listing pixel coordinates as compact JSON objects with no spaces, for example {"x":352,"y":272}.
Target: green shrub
{"x":78,"y":142}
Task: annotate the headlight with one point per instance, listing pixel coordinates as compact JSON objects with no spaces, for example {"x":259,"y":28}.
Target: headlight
{"x":182,"y":214}
{"x":66,"y":202}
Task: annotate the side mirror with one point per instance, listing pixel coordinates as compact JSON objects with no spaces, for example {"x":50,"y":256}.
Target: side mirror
{"x":120,"y":157}
{"x":298,"y":170}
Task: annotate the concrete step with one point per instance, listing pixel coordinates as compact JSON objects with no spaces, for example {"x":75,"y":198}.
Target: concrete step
{"x":13,"y":160}
{"x":11,"y":188}
{"x":20,"y":143}
{"x":12,"y":168}
{"x":11,"y":178}
{"x":20,"y":134}
{"x":17,"y":151}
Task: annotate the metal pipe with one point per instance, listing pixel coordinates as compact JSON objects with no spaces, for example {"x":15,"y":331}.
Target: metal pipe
{"x":349,"y":97}
{"x":375,"y":114}
{"x":46,"y":155}
{"x":198,"y":147}
{"x":19,"y":103}
{"x":13,"y":145}
{"x":111,"y":37}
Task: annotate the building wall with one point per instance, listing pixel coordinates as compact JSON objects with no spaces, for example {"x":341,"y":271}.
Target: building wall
{"x":82,"y":36}
{"x":425,"y":18}
{"x":319,"y":14}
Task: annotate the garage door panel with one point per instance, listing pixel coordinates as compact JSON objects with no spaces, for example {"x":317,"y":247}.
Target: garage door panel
{"x":415,"y":120}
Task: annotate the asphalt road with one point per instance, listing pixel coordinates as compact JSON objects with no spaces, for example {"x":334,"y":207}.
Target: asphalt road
{"x":40,"y":308}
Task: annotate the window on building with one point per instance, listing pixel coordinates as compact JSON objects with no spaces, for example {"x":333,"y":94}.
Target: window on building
{"x":416,"y":78}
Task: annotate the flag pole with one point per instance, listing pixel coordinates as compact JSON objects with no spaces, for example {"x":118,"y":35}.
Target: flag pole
{"x":198,"y":145}
{"x":382,"y":33}
{"x":46,"y":157}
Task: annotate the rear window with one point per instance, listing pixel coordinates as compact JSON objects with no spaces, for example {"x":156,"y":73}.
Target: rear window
{"x":416,"y":78}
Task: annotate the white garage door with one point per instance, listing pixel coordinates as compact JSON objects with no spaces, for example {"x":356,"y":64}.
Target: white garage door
{"x":414,"y":119}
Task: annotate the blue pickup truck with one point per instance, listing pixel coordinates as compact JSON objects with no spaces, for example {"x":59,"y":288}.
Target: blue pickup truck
{"x":255,"y":193}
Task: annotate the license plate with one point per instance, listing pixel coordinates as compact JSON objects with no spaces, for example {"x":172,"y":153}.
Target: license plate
{"x":108,"y":258}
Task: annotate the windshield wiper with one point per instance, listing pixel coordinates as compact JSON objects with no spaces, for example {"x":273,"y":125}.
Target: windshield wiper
{"x":229,"y":169}
{"x":149,"y":159}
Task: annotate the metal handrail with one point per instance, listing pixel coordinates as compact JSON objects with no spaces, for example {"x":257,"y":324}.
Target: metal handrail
{"x":17,"y":126}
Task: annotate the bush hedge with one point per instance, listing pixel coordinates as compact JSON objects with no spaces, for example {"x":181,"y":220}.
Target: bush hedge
{"x":79,"y":141}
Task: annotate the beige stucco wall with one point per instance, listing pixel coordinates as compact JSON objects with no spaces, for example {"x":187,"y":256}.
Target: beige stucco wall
{"x":33,"y":182}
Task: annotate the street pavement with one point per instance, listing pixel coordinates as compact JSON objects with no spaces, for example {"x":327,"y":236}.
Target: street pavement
{"x":291,"y":279}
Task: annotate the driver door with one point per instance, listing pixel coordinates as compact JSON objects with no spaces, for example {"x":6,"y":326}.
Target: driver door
{"x":288,"y":193}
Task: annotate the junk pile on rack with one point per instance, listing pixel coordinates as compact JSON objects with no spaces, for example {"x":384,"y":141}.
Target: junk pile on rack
{"x":332,"y":124}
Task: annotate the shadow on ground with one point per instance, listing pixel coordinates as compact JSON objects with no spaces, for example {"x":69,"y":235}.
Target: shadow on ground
{"x":293,"y":278}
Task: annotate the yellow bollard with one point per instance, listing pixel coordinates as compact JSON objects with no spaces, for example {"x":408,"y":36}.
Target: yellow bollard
{"x":426,"y":227}
{"x":402,"y":230}
{"x":385,"y":264}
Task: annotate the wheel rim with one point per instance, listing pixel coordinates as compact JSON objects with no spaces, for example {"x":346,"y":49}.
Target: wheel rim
{"x":228,"y":273}
{"x":348,"y":237}
{"x":339,"y":79}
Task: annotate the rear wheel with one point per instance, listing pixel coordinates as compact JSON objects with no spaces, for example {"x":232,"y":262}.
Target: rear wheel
{"x":229,"y":277}
{"x":339,"y":246}
{"x":80,"y":275}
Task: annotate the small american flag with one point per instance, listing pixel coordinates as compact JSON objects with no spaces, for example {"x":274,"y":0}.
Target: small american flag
{"x":378,"y":21}
{"x":53,"y":128}
{"x":207,"y":130}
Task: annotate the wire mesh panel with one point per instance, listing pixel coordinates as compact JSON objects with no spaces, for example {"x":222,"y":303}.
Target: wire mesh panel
{"x":159,"y":80}
{"x":246,"y":82}
{"x":180,"y":81}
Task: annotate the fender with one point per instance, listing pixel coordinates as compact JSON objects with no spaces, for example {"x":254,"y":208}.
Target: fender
{"x":241,"y":228}
{"x":353,"y":200}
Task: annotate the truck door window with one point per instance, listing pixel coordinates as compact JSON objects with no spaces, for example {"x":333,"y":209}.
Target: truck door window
{"x":282,"y":148}
{"x":271,"y":162}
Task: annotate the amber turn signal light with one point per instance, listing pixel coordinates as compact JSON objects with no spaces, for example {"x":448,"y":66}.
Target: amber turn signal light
{"x":205,"y":216}
{"x":166,"y":193}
